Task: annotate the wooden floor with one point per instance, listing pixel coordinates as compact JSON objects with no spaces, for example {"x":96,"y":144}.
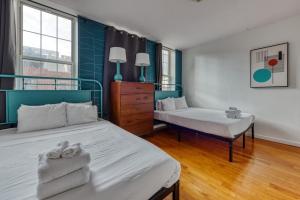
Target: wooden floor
{"x":263,"y":171}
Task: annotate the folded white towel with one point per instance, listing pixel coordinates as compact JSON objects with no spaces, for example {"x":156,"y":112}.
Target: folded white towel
{"x":71,"y":151}
{"x":50,"y":169}
{"x":64,"y":183}
{"x":234,"y":114}
{"x":233,"y":108}
{"x":57,"y":151}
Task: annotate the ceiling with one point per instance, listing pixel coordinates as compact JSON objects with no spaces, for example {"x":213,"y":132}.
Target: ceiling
{"x":184,"y":23}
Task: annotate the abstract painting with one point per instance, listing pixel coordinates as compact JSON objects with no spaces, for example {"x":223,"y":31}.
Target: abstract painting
{"x":269,"y":66}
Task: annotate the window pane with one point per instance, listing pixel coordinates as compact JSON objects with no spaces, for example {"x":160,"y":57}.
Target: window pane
{"x":49,"y":69}
{"x":31,"y":44}
{"x":165,"y":70}
{"x":49,"y":24}
{"x":64,"y":71}
{"x":31,"y":19}
{"x":64,"y":28}
{"x":64,"y":50}
{"x":49,"y":47}
{"x":31,"y":68}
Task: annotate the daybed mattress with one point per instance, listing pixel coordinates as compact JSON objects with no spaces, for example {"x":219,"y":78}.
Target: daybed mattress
{"x":206,"y":120}
{"x":123,"y":166}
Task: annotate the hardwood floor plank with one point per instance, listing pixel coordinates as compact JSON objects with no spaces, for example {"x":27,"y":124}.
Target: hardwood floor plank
{"x":263,"y":170}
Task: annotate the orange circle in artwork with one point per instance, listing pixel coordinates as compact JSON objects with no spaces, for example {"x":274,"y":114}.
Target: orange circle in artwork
{"x":273,"y":62}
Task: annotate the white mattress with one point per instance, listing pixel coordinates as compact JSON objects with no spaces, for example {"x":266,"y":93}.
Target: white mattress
{"x":124,"y":167}
{"x":206,"y":120}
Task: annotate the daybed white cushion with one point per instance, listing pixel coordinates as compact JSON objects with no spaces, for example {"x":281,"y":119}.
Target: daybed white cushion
{"x":168,"y":104}
{"x":33,"y":118}
{"x":80,"y":114}
{"x":180,"y":103}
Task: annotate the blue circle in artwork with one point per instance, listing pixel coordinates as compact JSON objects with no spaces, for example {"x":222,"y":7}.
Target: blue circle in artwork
{"x":262,"y":75}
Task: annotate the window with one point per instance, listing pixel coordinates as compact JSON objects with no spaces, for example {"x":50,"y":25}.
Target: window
{"x":47,"y":46}
{"x":168,"y":69}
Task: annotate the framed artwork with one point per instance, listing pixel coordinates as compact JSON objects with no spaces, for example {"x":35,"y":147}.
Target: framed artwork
{"x":269,"y":66}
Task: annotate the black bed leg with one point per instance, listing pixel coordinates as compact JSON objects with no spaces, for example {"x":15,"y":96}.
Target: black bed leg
{"x":244,"y":140}
{"x":252,"y":130}
{"x":176,"y":191}
{"x":230,"y":151}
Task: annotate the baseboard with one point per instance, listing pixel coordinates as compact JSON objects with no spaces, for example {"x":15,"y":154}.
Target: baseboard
{"x":278,"y":140}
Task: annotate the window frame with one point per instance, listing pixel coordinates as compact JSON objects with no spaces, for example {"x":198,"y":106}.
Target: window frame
{"x":21,"y":57}
{"x":169,"y":75}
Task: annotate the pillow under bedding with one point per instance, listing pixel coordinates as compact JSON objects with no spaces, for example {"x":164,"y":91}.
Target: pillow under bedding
{"x":80,"y":114}
{"x":168,"y":104}
{"x":180,"y":103}
{"x":34,"y":118}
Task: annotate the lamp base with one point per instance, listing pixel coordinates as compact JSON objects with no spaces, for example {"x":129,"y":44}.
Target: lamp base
{"x":118,"y":77}
{"x":142,"y":79}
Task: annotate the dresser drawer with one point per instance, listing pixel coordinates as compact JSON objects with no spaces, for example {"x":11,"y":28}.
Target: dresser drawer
{"x":140,"y":129}
{"x":136,"y":119}
{"x":136,"y":88}
{"x":136,"y":109}
{"x":136,"y":99}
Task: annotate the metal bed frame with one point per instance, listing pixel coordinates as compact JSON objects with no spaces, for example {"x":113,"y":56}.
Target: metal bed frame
{"x":224,"y":139}
{"x":160,"y":195}
{"x":179,"y":128}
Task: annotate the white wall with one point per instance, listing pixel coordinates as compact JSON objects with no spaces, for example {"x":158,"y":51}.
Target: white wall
{"x":217,"y":75}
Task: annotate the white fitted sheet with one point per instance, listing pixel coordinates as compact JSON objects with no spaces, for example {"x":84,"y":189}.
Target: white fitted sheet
{"x":123,"y":166}
{"x":206,"y":120}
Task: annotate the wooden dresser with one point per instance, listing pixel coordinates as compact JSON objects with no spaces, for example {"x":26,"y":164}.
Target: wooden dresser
{"x":132,"y":106}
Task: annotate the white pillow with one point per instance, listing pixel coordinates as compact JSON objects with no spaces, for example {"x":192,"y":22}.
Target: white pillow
{"x":168,"y":104}
{"x":33,"y":118}
{"x":80,"y":114}
{"x":180,"y":103}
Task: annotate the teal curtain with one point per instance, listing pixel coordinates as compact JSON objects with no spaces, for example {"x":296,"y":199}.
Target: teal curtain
{"x":178,"y":74}
{"x":150,"y":70}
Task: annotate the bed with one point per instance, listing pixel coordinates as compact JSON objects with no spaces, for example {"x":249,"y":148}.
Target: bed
{"x":123,"y":165}
{"x":210,"y":122}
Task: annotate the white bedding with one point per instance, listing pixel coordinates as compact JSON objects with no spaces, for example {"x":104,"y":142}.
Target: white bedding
{"x":206,"y":120}
{"x":123,"y":166}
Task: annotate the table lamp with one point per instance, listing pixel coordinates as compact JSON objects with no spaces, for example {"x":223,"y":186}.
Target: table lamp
{"x":117,"y":55}
{"x":142,"y":60}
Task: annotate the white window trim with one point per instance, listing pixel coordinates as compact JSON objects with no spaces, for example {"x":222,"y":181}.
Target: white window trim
{"x":169,"y":75}
{"x":74,"y":39}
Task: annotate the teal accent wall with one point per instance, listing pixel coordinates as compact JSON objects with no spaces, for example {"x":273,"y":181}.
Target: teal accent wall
{"x":178,"y":63}
{"x":91,"y":49}
{"x":91,"y":42}
{"x":150,"y":70}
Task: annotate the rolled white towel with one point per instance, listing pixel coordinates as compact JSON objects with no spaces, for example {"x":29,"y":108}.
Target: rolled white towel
{"x":64,"y":183}
{"x":57,"y":151}
{"x":71,"y":151}
{"x":50,"y":169}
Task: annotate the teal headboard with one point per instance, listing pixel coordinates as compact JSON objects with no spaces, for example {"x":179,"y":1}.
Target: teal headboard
{"x":165,"y":94}
{"x":15,"y":98}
